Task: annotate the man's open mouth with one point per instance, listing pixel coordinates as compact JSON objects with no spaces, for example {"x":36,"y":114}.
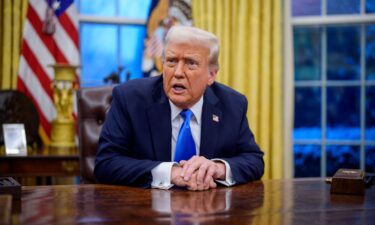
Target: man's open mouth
{"x":179,"y":87}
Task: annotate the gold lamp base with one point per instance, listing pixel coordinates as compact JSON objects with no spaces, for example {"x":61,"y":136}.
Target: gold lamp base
{"x":62,"y":139}
{"x":63,"y":132}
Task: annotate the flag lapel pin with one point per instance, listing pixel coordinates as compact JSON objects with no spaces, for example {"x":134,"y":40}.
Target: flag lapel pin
{"x":215,"y":118}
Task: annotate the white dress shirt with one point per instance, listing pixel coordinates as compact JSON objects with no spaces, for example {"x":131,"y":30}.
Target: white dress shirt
{"x":161,"y":174}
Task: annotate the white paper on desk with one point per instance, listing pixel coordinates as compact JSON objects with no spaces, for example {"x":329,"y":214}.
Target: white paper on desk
{"x":15,"y":139}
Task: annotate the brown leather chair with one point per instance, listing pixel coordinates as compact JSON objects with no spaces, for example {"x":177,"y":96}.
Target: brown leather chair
{"x":93,"y":104}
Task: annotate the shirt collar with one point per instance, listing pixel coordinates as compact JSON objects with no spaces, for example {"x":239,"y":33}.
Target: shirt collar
{"x":196,"y":109}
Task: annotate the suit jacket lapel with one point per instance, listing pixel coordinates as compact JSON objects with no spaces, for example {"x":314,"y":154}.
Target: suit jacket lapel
{"x":211,"y":116}
{"x":159,"y":119}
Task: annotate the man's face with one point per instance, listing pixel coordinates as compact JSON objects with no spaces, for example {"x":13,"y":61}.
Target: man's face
{"x":186,"y":73}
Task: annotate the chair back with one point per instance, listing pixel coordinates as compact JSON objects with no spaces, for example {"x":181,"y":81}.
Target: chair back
{"x":93,"y":104}
{"x":16,"y":107}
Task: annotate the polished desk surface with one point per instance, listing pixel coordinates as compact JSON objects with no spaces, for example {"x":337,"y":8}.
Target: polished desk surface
{"x":298,"y":201}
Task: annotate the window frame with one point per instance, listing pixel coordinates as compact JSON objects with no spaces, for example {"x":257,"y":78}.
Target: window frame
{"x":362,"y":20}
{"x":118,"y":21}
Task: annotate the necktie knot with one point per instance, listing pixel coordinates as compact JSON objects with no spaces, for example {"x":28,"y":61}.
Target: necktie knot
{"x":186,"y":114}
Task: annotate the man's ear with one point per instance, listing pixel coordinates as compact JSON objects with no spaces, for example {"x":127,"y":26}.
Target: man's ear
{"x":212,"y":74}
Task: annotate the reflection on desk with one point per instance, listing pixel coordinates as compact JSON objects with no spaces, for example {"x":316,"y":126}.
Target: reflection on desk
{"x":186,"y":207}
{"x":268,"y":202}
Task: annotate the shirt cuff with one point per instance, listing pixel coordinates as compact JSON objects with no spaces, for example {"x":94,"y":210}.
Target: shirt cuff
{"x":161,"y":175}
{"x":229,"y":181}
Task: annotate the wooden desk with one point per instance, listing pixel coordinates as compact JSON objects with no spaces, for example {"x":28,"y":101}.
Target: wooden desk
{"x":305,"y":201}
{"x":39,"y":165}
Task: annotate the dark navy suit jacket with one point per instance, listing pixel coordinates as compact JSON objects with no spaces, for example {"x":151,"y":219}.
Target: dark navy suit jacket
{"x":137,"y":133}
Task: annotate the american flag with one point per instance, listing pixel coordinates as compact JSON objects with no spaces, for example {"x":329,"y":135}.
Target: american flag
{"x":50,"y":36}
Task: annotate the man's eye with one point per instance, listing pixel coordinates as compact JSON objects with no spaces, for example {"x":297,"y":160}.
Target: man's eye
{"x":192,"y":64}
{"x":171,"y":62}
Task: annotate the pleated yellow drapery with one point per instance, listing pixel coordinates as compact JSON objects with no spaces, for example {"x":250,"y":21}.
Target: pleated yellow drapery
{"x":250,"y":62}
{"x":12,"y":16}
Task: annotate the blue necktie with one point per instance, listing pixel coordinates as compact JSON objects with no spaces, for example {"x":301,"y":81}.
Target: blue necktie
{"x":185,"y":146}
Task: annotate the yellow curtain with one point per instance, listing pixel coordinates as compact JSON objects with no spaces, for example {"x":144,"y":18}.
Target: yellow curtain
{"x":250,"y":62}
{"x":12,"y":16}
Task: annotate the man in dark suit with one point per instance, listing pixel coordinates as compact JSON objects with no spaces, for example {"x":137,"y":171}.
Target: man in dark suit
{"x":141,"y":140}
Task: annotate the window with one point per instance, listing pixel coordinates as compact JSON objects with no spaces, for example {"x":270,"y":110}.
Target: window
{"x":334,"y":64}
{"x":112,"y":34}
